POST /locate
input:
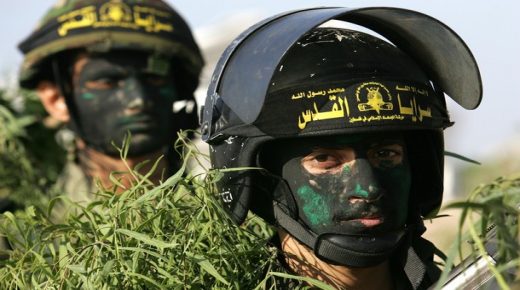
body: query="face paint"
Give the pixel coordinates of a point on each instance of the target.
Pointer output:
(315, 205)
(356, 186)
(115, 93)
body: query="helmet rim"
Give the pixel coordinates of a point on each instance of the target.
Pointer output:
(102, 26)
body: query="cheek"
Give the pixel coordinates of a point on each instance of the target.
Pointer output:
(88, 101)
(167, 93)
(398, 182)
(88, 96)
(315, 206)
(312, 202)
(99, 105)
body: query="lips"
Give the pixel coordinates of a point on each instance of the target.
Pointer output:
(136, 118)
(370, 221)
(363, 213)
(367, 221)
(135, 123)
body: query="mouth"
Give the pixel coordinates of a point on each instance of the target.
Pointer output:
(367, 221)
(141, 117)
(137, 122)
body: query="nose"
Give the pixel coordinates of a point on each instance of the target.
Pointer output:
(135, 95)
(362, 180)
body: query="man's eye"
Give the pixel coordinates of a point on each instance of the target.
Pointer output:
(386, 156)
(385, 153)
(101, 84)
(322, 157)
(323, 161)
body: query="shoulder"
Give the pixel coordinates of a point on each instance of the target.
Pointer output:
(74, 183)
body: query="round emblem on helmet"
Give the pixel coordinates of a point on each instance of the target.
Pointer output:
(373, 96)
(115, 12)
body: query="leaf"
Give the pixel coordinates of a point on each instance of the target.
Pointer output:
(312, 281)
(146, 239)
(62, 256)
(460, 157)
(208, 267)
(79, 269)
(107, 268)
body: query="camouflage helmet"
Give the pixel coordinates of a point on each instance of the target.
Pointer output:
(100, 26)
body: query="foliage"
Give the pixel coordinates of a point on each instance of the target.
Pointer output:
(503, 162)
(494, 206)
(171, 236)
(30, 159)
(17, 177)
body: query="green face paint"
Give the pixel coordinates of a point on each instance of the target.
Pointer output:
(359, 191)
(315, 205)
(367, 194)
(168, 92)
(88, 96)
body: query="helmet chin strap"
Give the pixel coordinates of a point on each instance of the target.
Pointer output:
(65, 89)
(346, 250)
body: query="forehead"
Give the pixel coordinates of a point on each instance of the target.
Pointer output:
(124, 59)
(343, 141)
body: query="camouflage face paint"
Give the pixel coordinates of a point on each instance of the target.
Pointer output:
(88, 96)
(167, 91)
(354, 186)
(115, 93)
(315, 205)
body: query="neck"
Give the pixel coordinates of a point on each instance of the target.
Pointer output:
(302, 261)
(100, 166)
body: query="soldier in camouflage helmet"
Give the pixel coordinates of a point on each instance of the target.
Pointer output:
(339, 138)
(109, 68)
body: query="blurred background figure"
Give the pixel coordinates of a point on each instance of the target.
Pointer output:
(111, 70)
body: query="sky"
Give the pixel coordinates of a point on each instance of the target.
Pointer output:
(488, 28)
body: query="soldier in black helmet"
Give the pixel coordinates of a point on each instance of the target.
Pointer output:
(108, 69)
(348, 128)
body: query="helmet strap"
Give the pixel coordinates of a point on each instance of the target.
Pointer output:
(65, 89)
(64, 86)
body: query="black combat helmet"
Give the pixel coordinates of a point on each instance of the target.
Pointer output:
(150, 26)
(285, 78)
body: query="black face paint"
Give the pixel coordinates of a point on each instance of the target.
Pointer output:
(116, 94)
(352, 185)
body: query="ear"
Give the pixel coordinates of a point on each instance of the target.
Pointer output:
(53, 101)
